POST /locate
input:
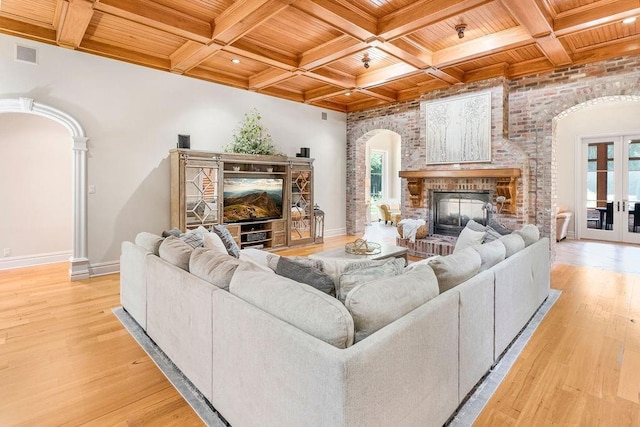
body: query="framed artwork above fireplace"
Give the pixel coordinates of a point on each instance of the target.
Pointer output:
(459, 129)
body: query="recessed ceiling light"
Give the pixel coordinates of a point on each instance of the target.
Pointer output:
(347, 94)
(235, 60)
(629, 20)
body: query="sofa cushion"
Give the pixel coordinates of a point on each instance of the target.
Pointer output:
(303, 272)
(490, 235)
(353, 277)
(377, 303)
(451, 270)
(298, 304)
(149, 242)
(513, 243)
(213, 266)
(227, 239)
(468, 237)
(529, 233)
(272, 261)
(334, 267)
(176, 251)
(490, 253)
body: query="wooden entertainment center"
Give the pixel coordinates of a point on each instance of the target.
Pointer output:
(198, 192)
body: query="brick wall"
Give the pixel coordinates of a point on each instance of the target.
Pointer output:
(524, 116)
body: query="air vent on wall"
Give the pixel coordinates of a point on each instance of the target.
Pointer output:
(26, 54)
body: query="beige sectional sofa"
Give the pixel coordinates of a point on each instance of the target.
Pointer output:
(258, 369)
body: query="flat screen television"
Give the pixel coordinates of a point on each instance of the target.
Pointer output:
(252, 199)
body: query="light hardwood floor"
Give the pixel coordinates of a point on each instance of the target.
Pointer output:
(66, 360)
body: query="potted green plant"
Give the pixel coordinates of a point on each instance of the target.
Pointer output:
(252, 137)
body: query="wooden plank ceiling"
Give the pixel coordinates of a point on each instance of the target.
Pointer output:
(312, 51)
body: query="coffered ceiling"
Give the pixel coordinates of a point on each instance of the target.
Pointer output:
(312, 51)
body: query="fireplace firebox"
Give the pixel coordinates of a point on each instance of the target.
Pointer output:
(451, 210)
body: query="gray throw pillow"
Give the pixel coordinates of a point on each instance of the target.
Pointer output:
(491, 235)
(351, 279)
(451, 270)
(375, 304)
(513, 243)
(305, 274)
(193, 238)
(176, 232)
(175, 251)
(213, 266)
(498, 227)
(468, 237)
(227, 239)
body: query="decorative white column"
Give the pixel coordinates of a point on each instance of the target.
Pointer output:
(79, 268)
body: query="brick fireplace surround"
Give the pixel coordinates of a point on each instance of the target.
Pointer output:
(524, 114)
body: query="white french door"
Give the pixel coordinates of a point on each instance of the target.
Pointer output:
(609, 205)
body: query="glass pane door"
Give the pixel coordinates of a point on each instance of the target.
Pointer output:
(599, 220)
(631, 196)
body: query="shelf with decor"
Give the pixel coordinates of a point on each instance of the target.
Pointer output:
(259, 234)
(301, 222)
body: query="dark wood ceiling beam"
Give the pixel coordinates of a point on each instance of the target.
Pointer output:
(74, 20)
(28, 30)
(192, 54)
(492, 43)
(157, 16)
(399, 53)
(243, 16)
(450, 76)
(384, 75)
(323, 92)
(422, 13)
(386, 95)
(540, 26)
(270, 77)
(332, 77)
(357, 25)
(330, 52)
(260, 54)
(594, 15)
(114, 52)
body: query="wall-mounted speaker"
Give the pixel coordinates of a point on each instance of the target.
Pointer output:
(184, 141)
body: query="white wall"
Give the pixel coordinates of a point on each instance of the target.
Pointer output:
(132, 116)
(35, 190)
(600, 119)
(390, 143)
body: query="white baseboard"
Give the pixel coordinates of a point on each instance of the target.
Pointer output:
(32, 260)
(335, 232)
(104, 268)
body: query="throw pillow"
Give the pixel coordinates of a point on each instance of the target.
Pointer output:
(214, 242)
(529, 233)
(467, 238)
(149, 241)
(490, 253)
(304, 273)
(375, 304)
(491, 235)
(176, 251)
(513, 243)
(298, 304)
(176, 232)
(451, 270)
(334, 267)
(193, 238)
(227, 239)
(351, 279)
(272, 261)
(498, 227)
(213, 266)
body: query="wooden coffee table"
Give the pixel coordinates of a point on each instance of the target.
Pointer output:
(386, 251)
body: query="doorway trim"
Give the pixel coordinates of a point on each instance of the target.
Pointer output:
(79, 262)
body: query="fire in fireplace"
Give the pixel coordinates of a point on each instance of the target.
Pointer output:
(452, 210)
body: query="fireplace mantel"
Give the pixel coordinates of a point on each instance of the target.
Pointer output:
(506, 182)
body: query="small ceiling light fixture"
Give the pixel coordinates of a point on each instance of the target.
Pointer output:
(630, 20)
(235, 60)
(460, 29)
(347, 94)
(365, 60)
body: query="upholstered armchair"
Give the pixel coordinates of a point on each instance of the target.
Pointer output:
(563, 216)
(389, 215)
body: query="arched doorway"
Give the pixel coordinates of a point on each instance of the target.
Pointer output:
(79, 263)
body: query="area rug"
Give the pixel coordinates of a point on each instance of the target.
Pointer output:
(465, 416)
